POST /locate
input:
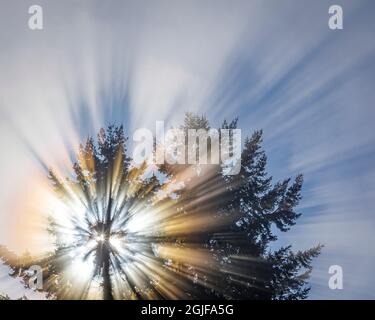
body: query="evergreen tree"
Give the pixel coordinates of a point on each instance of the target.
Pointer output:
(246, 211)
(256, 205)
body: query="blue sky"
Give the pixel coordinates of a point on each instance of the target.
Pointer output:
(274, 64)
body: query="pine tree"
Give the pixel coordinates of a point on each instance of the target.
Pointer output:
(244, 214)
(109, 189)
(256, 205)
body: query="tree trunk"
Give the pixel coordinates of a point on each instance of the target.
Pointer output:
(107, 284)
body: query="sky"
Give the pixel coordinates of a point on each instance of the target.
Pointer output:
(274, 64)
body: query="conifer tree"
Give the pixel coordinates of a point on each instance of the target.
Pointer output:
(242, 215)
